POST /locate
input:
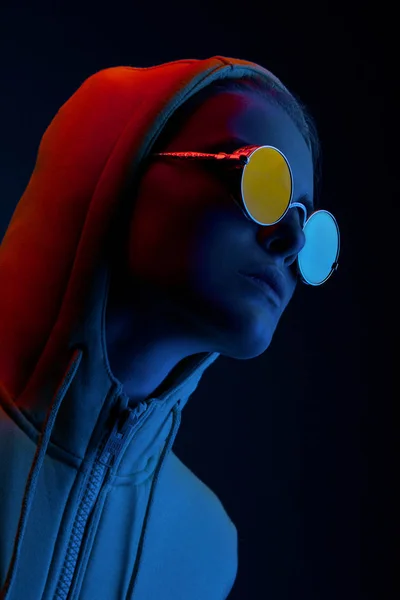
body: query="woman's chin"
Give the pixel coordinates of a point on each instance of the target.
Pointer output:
(249, 343)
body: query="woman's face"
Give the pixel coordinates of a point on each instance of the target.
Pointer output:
(189, 242)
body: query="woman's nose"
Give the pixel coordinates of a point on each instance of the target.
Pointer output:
(286, 238)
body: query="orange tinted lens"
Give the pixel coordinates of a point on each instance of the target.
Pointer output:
(267, 185)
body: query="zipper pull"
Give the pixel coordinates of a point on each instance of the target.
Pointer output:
(115, 442)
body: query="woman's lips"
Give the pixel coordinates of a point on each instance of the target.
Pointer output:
(265, 287)
(271, 275)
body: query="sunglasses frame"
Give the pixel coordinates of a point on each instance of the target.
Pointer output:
(238, 160)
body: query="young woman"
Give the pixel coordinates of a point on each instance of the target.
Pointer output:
(168, 220)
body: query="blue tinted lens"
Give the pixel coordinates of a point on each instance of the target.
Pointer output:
(318, 258)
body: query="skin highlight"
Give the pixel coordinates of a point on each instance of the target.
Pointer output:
(179, 291)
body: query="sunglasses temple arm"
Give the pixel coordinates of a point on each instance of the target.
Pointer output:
(242, 159)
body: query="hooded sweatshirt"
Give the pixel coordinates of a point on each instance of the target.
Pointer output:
(94, 504)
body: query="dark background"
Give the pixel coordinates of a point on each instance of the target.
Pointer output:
(300, 444)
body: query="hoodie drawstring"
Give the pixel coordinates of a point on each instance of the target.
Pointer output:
(36, 466)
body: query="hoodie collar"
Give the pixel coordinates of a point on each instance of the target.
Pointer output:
(95, 397)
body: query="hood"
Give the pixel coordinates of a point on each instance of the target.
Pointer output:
(55, 258)
(56, 383)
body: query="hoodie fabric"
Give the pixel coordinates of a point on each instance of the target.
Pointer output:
(94, 504)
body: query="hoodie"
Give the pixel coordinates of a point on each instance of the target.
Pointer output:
(94, 504)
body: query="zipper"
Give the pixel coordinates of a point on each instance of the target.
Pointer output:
(109, 450)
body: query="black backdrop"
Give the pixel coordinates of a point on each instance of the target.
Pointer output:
(300, 443)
